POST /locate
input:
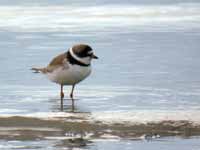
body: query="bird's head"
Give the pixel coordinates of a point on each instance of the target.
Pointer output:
(82, 53)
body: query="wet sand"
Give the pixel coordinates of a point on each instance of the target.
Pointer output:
(33, 128)
(68, 133)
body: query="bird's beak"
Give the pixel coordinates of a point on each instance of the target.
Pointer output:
(94, 56)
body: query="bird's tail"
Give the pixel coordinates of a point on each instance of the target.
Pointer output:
(38, 70)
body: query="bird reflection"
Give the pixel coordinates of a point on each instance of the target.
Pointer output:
(66, 105)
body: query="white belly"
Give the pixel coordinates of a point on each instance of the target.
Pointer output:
(69, 76)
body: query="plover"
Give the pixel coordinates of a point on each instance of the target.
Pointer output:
(69, 68)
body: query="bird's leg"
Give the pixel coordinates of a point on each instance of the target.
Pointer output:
(72, 91)
(72, 96)
(61, 97)
(61, 92)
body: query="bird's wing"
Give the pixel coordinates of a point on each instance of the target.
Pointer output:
(58, 61)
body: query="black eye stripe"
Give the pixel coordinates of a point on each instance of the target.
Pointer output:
(89, 55)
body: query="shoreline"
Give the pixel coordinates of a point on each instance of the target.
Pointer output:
(33, 128)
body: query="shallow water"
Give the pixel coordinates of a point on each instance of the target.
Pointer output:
(148, 71)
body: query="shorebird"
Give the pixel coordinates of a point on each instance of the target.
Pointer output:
(69, 68)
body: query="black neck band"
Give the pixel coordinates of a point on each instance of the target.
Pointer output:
(74, 61)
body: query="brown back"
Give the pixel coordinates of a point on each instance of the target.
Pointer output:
(58, 60)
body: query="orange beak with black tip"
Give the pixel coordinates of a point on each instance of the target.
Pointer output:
(94, 56)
